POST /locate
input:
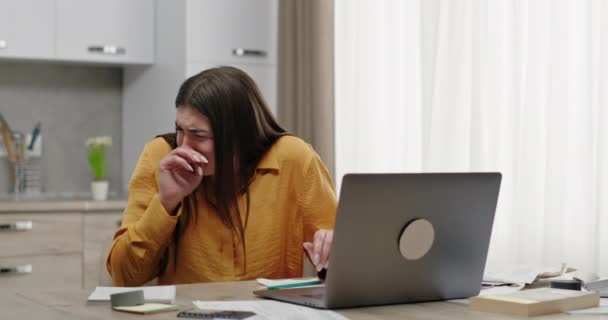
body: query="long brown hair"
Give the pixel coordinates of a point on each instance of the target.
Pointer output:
(244, 129)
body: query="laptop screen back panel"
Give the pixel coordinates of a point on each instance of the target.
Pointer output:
(366, 266)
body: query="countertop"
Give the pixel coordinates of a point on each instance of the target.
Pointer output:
(62, 204)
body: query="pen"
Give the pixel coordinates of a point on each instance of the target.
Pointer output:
(295, 285)
(34, 136)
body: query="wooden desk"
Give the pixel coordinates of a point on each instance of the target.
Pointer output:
(67, 305)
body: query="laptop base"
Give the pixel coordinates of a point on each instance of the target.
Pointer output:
(310, 297)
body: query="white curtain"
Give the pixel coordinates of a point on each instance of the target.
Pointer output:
(516, 86)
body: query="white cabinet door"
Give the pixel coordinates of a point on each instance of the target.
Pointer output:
(106, 31)
(232, 31)
(264, 76)
(27, 28)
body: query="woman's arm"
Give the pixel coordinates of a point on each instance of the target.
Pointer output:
(146, 229)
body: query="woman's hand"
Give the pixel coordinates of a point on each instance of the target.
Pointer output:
(318, 250)
(180, 172)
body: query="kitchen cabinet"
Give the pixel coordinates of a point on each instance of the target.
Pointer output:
(26, 28)
(232, 31)
(239, 33)
(87, 31)
(48, 272)
(115, 31)
(41, 250)
(55, 245)
(191, 36)
(40, 233)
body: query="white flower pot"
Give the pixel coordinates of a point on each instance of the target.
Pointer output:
(99, 189)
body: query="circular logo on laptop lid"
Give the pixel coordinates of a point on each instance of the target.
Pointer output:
(416, 239)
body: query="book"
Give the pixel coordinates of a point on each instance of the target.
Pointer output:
(535, 301)
(288, 283)
(147, 308)
(153, 294)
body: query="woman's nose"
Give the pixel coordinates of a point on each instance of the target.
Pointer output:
(187, 142)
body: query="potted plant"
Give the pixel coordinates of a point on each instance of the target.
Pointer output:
(96, 151)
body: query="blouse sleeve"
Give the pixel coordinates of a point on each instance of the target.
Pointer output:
(146, 229)
(317, 202)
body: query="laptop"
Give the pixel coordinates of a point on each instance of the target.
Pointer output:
(403, 238)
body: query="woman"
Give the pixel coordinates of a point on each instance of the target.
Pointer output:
(230, 196)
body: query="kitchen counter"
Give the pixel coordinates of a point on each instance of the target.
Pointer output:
(61, 205)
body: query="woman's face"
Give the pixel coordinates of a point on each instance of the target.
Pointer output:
(194, 132)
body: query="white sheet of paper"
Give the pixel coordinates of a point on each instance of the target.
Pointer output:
(270, 310)
(515, 274)
(280, 282)
(500, 290)
(159, 294)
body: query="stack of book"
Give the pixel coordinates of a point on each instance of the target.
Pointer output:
(535, 301)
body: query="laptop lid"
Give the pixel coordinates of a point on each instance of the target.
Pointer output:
(408, 238)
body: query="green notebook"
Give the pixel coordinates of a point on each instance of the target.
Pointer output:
(147, 308)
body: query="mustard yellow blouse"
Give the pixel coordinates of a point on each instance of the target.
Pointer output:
(292, 196)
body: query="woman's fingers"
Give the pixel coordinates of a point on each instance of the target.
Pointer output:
(318, 250)
(324, 261)
(319, 239)
(176, 162)
(309, 249)
(181, 171)
(192, 160)
(190, 155)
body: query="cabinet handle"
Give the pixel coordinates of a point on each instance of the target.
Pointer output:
(3, 44)
(17, 226)
(242, 52)
(112, 50)
(24, 269)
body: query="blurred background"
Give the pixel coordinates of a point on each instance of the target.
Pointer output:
(513, 86)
